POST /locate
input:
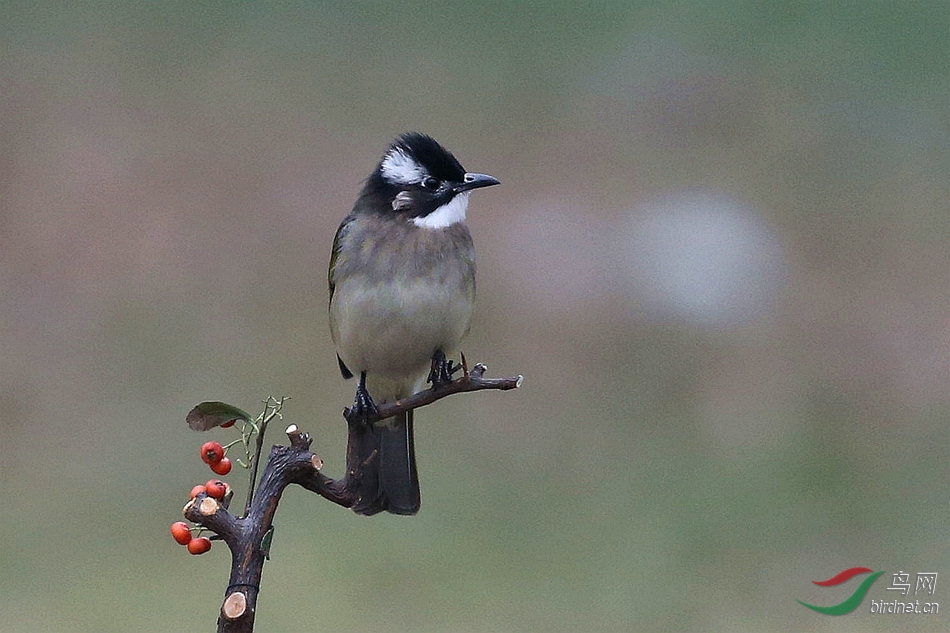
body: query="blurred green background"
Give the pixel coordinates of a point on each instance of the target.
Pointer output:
(719, 256)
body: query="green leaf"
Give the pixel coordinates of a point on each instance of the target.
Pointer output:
(208, 415)
(266, 541)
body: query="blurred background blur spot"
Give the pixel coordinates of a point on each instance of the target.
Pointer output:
(720, 255)
(700, 258)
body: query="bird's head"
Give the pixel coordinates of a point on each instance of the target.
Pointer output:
(421, 180)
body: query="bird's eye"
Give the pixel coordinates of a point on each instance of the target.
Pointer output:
(430, 183)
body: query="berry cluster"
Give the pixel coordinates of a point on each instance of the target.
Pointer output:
(181, 532)
(213, 454)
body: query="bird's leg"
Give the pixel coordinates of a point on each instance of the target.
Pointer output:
(441, 372)
(363, 405)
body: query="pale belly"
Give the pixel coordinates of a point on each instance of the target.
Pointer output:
(391, 332)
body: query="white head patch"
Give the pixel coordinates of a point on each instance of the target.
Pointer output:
(445, 216)
(399, 168)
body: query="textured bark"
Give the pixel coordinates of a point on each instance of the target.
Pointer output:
(249, 537)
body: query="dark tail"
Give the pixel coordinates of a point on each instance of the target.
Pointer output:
(390, 481)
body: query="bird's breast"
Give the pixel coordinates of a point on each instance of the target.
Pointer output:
(398, 299)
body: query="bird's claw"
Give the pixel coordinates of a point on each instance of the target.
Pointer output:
(442, 370)
(363, 406)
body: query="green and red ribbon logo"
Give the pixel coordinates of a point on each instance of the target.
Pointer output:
(851, 603)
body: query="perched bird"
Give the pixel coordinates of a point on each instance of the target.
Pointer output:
(402, 290)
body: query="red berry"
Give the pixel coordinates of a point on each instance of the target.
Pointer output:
(199, 545)
(212, 452)
(228, 424)
(181, 532)
(222, 467)
(197, 490)
(216, 488)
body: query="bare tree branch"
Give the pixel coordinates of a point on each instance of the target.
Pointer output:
(469, 381)
(249, 538)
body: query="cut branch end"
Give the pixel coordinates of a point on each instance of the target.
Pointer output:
(234, 606)
(208, 506)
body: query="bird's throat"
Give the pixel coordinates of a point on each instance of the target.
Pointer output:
(445, 216)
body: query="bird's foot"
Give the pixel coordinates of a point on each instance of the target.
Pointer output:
(363, 406)
(441, 372)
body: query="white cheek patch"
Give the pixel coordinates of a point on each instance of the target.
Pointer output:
(448, 214)
(400, 169)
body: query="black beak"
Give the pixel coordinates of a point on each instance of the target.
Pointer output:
(476, 181)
